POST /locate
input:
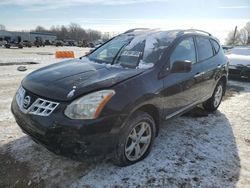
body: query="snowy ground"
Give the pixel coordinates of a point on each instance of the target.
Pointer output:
(42, 55)
(190, 151)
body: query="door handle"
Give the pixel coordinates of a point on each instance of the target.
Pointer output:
(219, 66)
(198, 74)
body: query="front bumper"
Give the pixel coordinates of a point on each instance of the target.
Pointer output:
(239, 71)
(67, 137)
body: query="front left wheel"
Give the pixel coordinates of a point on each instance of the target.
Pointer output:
(136, 141)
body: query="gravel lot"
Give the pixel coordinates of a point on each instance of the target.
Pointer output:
(195, 150)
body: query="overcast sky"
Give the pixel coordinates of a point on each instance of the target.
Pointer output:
(215, 16)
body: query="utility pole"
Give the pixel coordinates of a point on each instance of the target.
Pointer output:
(235, 31)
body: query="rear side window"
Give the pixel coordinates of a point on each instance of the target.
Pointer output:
(204, 47)
(185, 50)
(215, 45)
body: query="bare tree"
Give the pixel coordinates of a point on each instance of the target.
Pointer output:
(75, 32)
(72, 32)
(106, 36)
(63, 33)
(242, 36)
(247, 28)
(230, 38)
(93, 35)
(40, 29)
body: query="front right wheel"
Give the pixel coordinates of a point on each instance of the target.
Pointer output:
(137, 139)
(213, 103)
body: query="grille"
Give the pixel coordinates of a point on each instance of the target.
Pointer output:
(40, 107)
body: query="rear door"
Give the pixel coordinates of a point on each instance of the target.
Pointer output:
(181, 90)
(208, 65)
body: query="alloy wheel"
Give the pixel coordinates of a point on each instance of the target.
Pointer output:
(218, 95)
(138, 141)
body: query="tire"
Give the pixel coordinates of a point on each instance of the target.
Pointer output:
(132, 140)
(213, 103)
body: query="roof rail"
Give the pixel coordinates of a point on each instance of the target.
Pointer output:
(135, 29)
(197, 31)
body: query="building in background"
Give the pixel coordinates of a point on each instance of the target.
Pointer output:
(21, 36)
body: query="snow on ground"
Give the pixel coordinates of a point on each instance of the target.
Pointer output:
(43, 55)
(210, 151)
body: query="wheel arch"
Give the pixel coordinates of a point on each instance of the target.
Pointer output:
(154, 112)
(223, 79)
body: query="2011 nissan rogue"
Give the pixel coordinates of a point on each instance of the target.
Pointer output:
(114, 99)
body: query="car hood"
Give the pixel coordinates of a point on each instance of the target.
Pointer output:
(236, 60)
(70, 79)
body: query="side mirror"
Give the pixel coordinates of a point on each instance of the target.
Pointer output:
(181, 66)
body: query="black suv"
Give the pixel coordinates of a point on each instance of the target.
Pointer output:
(114, 99)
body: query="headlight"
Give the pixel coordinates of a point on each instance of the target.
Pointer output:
(89, 106)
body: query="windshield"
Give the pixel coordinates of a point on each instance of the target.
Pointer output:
(141, 51)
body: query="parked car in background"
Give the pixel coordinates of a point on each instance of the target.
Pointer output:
(98, 43)
(91, 45)
(27, 43)
(47, 43)
(239, 62)
(95, 44)
(70, 43)
(3, 43)
(39, 42)
(14, 44)
(226, 49)
(115, 98)
(82, 43)
(59, 43)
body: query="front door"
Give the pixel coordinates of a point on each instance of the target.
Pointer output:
(181, 90)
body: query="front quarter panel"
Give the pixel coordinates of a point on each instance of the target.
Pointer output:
(134, 93)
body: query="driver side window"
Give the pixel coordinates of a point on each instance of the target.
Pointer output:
(184, 51)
